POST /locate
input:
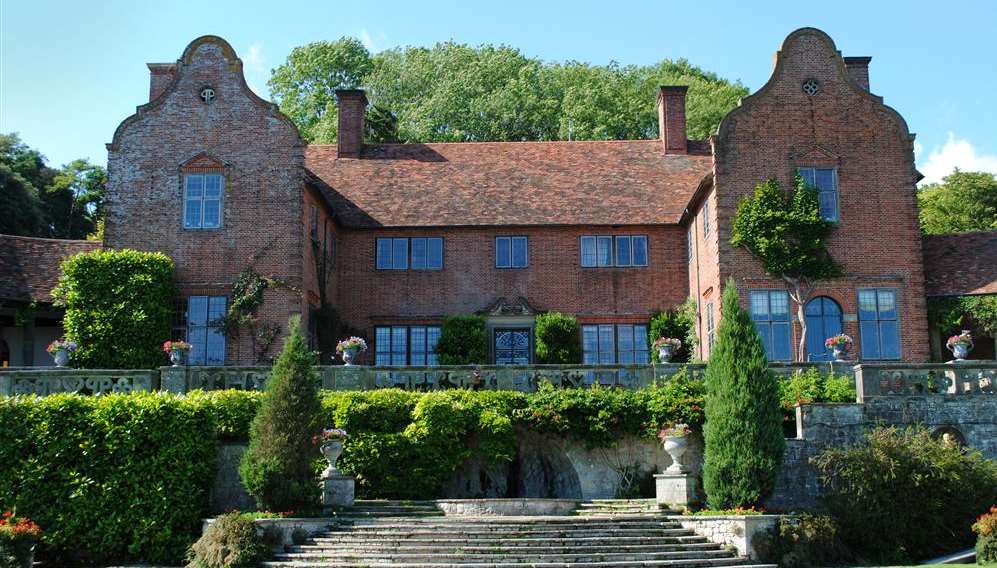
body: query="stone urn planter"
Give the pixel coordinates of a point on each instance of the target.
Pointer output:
(177, 357)
(960, 345)
(839, 345)
(666, 347)
(840, 353)
(676, 447)
(349, 355)
(665, 353)
(349, 348)
(61, 358)
(331, 450)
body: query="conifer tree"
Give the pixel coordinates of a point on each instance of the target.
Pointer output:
(743, 431)
(277, 468)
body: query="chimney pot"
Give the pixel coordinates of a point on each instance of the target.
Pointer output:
(671, 119)
(858, 70)
(160, 77)
(352, 108)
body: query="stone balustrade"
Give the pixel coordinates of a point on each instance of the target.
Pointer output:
(526, 378)
(921, 379)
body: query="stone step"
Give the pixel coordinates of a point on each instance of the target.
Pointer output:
(595, 548)
(461, 556)
(497, 525)
(730, 562)
(510, 541)
(352, 514)
(512, 531)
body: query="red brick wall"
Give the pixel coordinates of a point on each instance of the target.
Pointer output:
(469, 281)
(704, 270)
(263, 167)
(780, 128)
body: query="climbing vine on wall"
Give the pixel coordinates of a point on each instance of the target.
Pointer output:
(247, 297)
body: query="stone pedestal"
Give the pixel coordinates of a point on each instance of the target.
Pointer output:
(675, 489)
(173, 379)
(337, 490)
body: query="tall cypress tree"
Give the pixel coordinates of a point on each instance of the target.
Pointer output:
(743, 431)
(277, 468)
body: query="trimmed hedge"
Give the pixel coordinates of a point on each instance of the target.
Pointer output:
(118, 307)
(463, 341)
(110, 478)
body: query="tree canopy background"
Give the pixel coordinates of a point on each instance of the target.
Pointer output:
(453, 92)
(39, 201)
(963, 201)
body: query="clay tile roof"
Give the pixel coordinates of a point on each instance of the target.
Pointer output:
(961, 264)
(29, 267)
(509, 183)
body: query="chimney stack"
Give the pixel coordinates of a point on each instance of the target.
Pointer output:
(352, 108)
(160, 77)
(671, 119)
(858, 70)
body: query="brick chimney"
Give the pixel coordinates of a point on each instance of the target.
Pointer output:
(160, 77)
(858, 70)
(671, 119)
(352, 108)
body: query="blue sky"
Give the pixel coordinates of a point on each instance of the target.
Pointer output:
(70, 71)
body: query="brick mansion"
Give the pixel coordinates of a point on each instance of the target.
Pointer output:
(395, 237)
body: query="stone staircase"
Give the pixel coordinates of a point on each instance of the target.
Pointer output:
(411, 534)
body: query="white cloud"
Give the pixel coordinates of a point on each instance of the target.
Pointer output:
(956, 153)
(254, 64)
(366, 40)
(254, 57)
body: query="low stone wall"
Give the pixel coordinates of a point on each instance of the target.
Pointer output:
(506, 507)
(285, 531)
(739, 531)
(47, 380)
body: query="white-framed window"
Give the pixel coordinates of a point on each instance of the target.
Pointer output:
(406, 345)
(202, 201)
(511, 252)
(706, 218)
(607, 344)
(710, 331)
(619, 250)
(825, 181)
(770, 312)
(404, 253)
(204, 329)
(879, 323)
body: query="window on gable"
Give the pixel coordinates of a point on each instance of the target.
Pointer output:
(406, 345)
(204, 330)
(825, 181)
(202, 201)
(770, 312)
(511, 252)
(706, 218)
(879, 325)
(619, 250)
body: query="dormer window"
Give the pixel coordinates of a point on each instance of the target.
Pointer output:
(202, 201)
(825, 181)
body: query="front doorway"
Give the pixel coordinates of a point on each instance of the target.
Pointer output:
(512, 346)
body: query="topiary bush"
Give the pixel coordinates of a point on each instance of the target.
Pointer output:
(118, 307)
(924, 493)
(463, 341)
(110, 479)
(743, 432)
(558, 339)
(276, 470)
(230, 542)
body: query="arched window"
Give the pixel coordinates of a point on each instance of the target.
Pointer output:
(823, 320)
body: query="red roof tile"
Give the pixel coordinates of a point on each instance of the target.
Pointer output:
(29, 267)
(509, 183)
(960, 264)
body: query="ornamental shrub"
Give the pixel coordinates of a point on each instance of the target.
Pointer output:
(463, 341)
(808, 387)
(923, 493)
(119, 305)
(229, 542)
(743, 432)
(275, 470)
(558, 339)
(679, 323)
(804, 542)
(111, 479)
(986, 537)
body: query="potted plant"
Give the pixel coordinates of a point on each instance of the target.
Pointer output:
(667, 346)
(960, 345)
(178, 351)
(348, 348)
(18, 537)
(330, 443)
(839, 345)
(60, 349)
(674, 438)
